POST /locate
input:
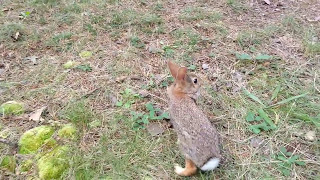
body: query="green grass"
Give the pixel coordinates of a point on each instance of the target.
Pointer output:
(197, 13)
(9, 30)
(94, 95)
(237, 5)
(79, 113)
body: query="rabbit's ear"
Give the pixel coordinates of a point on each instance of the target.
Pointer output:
(179, 73)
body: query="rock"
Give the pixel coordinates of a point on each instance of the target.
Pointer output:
(205, 66)
(113, 99)
(153, 49)
(255, 142)
(310, 136)
(155, 129)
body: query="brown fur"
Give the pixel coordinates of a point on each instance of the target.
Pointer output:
(197, 137)
(190, 168)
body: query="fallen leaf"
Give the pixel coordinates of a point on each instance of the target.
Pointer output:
(267, 2)
(16, 36)
(144, 93)
(135, 78)
(6, 9)
(263, 57)
(155, 128)
(255, 142)
(243, 56)
(36, 115)
(315, 19)
(310, 135)
(205, 66)
(33, 59)
(121, 79)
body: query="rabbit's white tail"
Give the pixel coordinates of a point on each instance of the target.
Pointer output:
(211, 164)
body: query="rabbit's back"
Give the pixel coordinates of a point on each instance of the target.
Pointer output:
(198, 138)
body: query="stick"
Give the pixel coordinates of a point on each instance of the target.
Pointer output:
(4, 141)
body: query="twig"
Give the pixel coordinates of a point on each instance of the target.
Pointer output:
(4, 141)
(314, 82)
(157, 97)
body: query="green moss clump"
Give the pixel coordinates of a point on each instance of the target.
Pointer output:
(69, 64)
(68, 131)
(54, 163)
(9, 162)
(34, 138)
(26, 165)
(11, 108)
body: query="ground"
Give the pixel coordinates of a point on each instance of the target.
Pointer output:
(259, 62)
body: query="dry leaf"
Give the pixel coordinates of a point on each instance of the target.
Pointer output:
(121, 79)
(17, 35)
(267, 1)
(144, 93)
(205, 66)
(36, 115)
(316, 19)
(310, 136)
(33, 59)
(2, 68)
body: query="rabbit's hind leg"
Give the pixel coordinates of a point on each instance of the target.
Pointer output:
(189, 170)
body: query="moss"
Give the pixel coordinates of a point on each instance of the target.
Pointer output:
(53, 164)
(69, 64)
(26, 165)
(12, 108)
(85, 54)
(68, 131)
(34, 138)
(8, 162)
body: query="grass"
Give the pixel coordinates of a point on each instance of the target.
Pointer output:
(94, 95)
(8, 32)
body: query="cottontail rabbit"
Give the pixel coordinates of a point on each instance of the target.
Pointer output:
(197, 137)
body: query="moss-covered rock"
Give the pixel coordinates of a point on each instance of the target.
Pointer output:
(34, 138)
(68, 131)
(26, 165)
(9, 163)
(53, 164)
(11, 108)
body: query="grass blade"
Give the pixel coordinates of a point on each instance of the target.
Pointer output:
(266, 118)
(253, 97)
(275, 93)
(289, 99)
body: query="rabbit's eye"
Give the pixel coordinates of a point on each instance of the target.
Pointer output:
(195, 81)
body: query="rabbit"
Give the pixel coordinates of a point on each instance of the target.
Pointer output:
(197, 138)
